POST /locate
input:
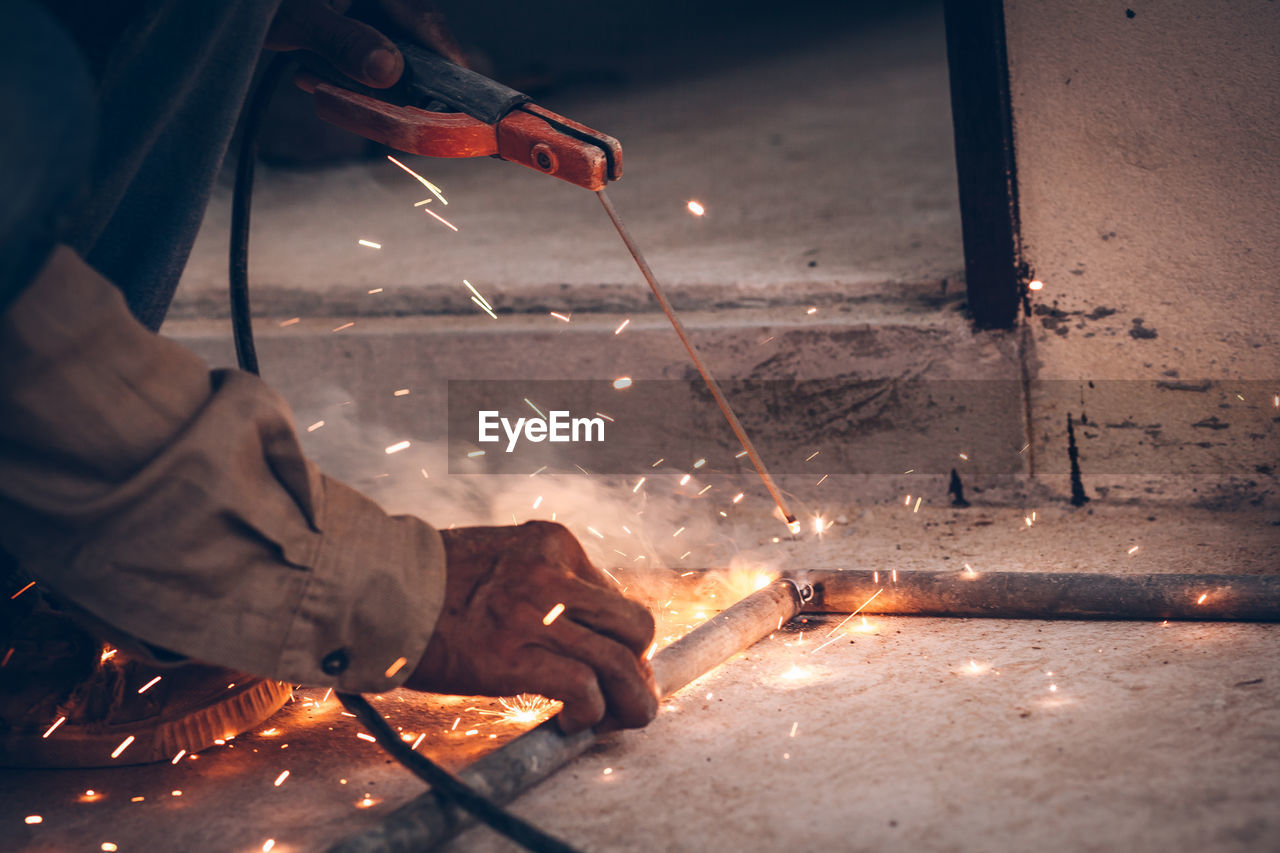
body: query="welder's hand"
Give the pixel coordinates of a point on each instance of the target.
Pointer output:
(355, 48)
(503, 584)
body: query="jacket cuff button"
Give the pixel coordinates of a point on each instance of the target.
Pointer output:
(335, 663)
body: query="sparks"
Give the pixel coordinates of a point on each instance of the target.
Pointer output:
(812, 310)
(178, 757)
(124, 744)
(854, 613)
(370, 244)
(537, 502)
(53, 727)
(535, 408)
(268, 845)
(403, 392)
(446, 223)
(1036, 285)
(793, 527)
(622, 382)
(432, 188)
(739, 496)
(1133, 550)
(397, 447)
(624, 324)
(811, 455)
(474, 453)
(33, 819)
(918, 502)
(343, 326)
(639, 483)
(1202, 597)
(21, 591)
(375, 290)
(109, 847)
(553, 614)
(367, 737)
(695, 208)
(291, 321)
(152, 683)
(284, 774)
(559, 316)
(396, 667)
(684, 481)
(524, 709)
(795, 673)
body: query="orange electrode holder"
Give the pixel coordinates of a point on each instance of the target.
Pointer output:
(442, 110)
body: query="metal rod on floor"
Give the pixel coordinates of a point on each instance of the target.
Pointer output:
(505, 773)
(1018, 595)
(1048, 595)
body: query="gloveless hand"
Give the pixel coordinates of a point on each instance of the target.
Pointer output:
(502, 585)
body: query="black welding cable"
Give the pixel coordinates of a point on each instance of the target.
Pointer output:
(241, 203)
(441, 780)
(451, 787)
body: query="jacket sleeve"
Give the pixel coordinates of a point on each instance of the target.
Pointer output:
(176, 506)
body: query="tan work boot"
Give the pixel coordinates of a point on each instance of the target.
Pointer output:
(66, 700)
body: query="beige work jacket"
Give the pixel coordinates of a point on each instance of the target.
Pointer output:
(175, 504)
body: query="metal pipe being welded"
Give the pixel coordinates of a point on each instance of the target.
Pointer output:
(505, 773)
(1047, 595)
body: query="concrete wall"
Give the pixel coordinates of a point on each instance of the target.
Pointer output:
(1148, 154)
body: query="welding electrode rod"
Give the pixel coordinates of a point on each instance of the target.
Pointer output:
(1047, 595)
(505, 773)
(710, 380)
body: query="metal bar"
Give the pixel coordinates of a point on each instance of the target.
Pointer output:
(714, 387)
(504, 774)
(995, 273)
(1048, 595)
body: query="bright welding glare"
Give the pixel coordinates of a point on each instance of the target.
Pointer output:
(695, 208)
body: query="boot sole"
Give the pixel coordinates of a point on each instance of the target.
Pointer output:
(154, 739)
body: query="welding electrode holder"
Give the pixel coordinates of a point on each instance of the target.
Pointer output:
(439, 109)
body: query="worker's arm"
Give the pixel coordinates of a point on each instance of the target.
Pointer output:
(176, 506)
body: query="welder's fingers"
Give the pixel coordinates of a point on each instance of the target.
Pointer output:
(609, 612)
(570, 681)
(354, 48)
(631, 695)
(424, 22)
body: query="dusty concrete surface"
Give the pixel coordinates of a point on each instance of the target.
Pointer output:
(909, 733)
(1148, 182)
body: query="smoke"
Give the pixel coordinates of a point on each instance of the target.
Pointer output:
(626, 527)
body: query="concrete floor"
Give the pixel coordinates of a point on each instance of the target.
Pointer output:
(1157, 737)
(910, 734)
